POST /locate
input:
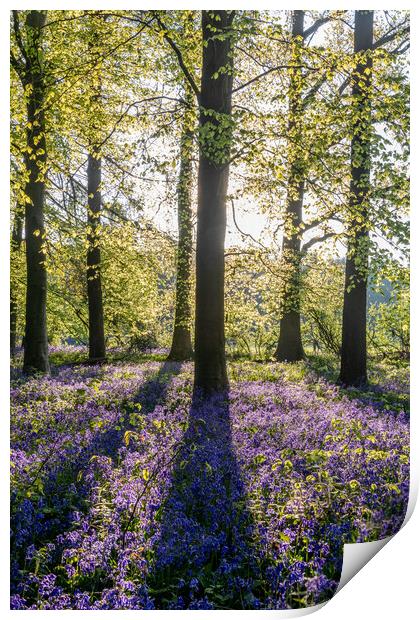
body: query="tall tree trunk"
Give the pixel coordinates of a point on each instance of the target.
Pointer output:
(36, 342)
(181, 348)
(213, 174)
(97, 349)
(289, 346)
(353, 348)
(93, 261)
(15, 248)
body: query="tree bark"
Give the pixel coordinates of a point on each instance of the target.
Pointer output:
(289, 346)
(36, 342)
(97, 350)
(213, 174)
(93, 261)
(181, 348)
(15, 248)
(353, 349)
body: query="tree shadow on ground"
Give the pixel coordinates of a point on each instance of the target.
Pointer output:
(41, 528)
(153, 392)
(382, 397)
(107, 443)
(204, 552)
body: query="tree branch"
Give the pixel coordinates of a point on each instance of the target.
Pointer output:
(241, 231)
(17, 66)
(313, 91)
(277, 68)
(178, 54)
(390, 37)
(315, 26)
(319, 239)
(133, 105)
(18, 35)
(379, 43)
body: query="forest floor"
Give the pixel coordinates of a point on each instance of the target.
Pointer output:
(127, 493)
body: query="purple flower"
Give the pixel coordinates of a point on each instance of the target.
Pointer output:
(131, 496)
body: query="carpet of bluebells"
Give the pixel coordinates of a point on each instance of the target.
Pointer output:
(127, 493)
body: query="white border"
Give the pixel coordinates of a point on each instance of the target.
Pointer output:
(388, 586)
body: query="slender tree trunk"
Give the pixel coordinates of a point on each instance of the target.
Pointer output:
(353, 348)
(15, 248)
(36, 342)
(289, 346)
(181, 348)
(213, 174)
(93, 262)
(97, 349)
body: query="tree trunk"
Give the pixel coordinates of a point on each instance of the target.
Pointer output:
(97, 350)
(289, 346)
(36, 342)
(15, 248)
(353, 348)
(181, 348)
(93, 262)
(215, 139)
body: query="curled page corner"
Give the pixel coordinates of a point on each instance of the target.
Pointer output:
(357, 555)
